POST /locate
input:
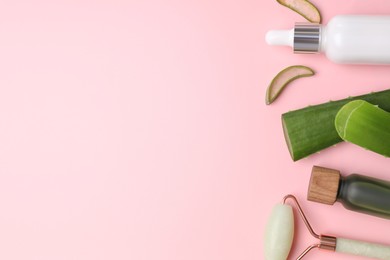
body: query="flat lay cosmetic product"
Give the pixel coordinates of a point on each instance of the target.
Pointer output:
(279, 237)
(349, 39)
(356, 192)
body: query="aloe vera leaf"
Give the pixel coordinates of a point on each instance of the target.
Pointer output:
(304, 8)
(366, 125)
(283, 78)
(311, 129)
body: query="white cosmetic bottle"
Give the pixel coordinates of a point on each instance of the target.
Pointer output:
(347, 39)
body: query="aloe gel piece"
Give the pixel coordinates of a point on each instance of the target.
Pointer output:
(283, 78)
(366, 125)
(304, 8)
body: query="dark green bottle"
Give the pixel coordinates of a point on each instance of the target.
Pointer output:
(356, 192)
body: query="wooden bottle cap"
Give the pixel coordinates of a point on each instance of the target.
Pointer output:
(323, 186)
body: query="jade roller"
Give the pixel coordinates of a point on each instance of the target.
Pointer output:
(279, 237)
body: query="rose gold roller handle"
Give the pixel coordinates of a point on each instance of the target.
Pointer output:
(341, 245)
(325, 242)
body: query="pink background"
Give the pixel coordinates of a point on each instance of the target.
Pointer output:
(138, 130)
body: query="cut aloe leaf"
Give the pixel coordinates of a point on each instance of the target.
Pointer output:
(283, 78)
(366, 125)
(304, 8)
(311, 129)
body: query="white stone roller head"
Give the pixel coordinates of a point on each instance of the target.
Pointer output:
(279, 233)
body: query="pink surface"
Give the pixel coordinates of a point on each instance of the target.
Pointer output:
(138, 130)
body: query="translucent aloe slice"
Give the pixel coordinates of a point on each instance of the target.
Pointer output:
(283, 78)
(304, 8)
(366, 125)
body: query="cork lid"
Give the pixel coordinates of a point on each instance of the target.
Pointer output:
(323, 186)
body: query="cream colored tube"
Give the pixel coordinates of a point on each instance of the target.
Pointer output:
(354, 247)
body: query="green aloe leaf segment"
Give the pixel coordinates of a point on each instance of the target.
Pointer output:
(311, 129)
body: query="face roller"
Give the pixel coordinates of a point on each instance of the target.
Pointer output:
(280, 234)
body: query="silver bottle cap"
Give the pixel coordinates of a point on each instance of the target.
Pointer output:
(307, 37)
